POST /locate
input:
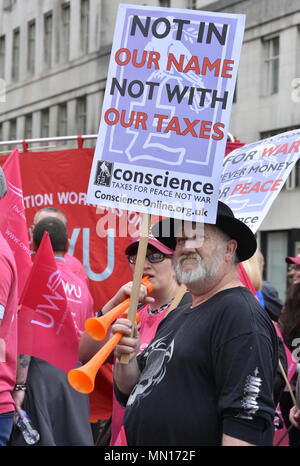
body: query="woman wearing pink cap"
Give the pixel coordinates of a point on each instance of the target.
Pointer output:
(294, 269)
(158, 267)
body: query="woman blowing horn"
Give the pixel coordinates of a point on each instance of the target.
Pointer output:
(158, 267)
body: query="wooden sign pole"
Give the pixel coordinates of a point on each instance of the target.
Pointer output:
(288, 384)
(137, 276)
(178, 297)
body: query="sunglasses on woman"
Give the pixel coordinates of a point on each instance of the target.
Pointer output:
(294, 267)
(153, 257)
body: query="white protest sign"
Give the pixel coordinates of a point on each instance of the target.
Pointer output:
(254, 174)
(166, 111)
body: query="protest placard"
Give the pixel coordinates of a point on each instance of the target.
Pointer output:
(254, 174)
(166, 111)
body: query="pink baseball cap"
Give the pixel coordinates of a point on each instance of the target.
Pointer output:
(132, 247)
(293, 260)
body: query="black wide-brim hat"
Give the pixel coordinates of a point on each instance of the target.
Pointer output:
(165, 232)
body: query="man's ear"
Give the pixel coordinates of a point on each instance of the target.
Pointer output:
(231, 247)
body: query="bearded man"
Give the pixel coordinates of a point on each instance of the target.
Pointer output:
(207, 376)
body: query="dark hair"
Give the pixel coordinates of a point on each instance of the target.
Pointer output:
(57, 231)
(289, 322)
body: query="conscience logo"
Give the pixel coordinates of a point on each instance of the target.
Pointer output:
(104, 173)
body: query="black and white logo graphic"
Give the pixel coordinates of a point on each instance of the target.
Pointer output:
(104, 173)
(251, 394)
(158, 355)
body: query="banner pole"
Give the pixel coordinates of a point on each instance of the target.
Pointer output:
(288, 384)
(178, 297)
(137, 276)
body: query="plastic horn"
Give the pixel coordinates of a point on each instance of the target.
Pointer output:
(82, 379)
(96, 327)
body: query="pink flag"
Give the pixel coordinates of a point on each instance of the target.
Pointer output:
(292, 367)
(121, 440)
(13, 224)
(291, 361)
(244, 278)
(46, 327)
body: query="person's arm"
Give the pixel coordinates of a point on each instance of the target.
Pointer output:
(22, 372)
(126, 375)
(228, 441)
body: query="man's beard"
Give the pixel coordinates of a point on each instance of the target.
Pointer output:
(203, 271)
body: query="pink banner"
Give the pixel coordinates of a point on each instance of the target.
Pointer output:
(45, 325)
(292, 364)
(13, 224)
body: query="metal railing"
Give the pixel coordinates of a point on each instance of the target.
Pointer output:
(80, 139)
(25, 143)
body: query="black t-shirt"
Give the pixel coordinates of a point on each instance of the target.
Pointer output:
(208, 371)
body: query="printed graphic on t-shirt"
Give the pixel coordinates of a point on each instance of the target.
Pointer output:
(157, 356)
(251, 393)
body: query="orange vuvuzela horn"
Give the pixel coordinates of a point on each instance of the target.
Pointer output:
(82, 379)
(96, 327)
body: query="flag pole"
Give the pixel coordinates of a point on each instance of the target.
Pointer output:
(178, 297)
(288, 384)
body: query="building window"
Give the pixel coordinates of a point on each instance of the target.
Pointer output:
(13, 130)
(192, 4)
(297, 174)
(8, 4)
(81, 115)
(84, 25)
(2, 57)
(45, 123)
(234, 100)
(31, 47)
(271, 65)
(48, 35)
(66, 15)
(62, 121)
(16, 55)
(28, 126)
(273, 132)
(277, 246)
(164, 3)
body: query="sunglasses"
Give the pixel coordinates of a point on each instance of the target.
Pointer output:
(153, 257)
(294, 267)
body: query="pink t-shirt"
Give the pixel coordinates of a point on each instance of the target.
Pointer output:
(77, 267)
(147, 329)
(78, 295)
(8, 327)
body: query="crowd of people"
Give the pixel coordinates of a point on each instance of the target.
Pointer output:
(203, 361)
